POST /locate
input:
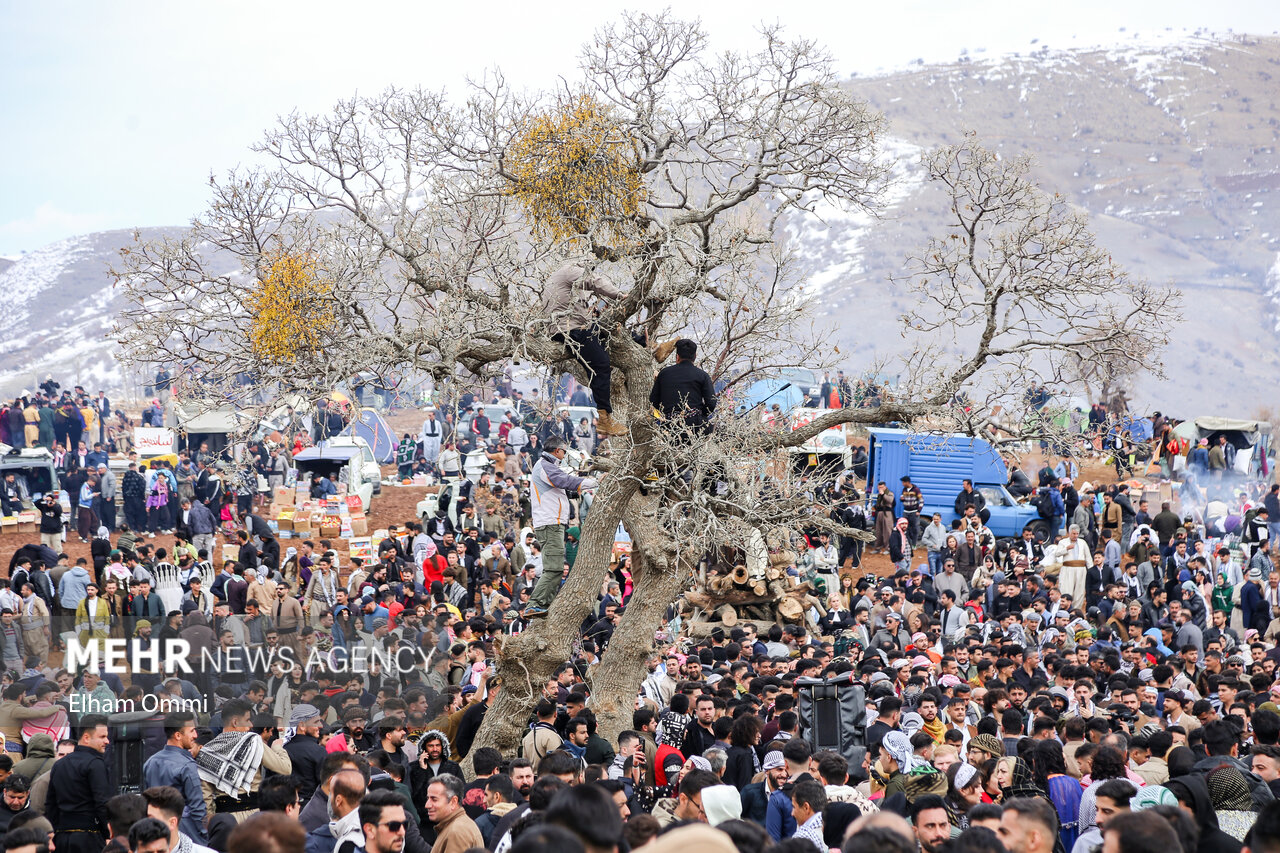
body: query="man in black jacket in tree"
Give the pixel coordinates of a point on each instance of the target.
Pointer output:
(684, 390)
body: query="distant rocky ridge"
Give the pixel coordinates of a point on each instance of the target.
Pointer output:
(1172, 150)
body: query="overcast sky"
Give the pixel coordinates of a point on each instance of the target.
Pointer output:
(116, 113)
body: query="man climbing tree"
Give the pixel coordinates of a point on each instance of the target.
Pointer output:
(684, 391)
(548, 492)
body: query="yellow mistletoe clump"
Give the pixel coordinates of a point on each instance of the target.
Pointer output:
(576, 173)
(290, 310)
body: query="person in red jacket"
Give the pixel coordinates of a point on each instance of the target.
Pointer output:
(433, 565)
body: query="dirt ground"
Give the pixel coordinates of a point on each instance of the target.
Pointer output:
(396, 505)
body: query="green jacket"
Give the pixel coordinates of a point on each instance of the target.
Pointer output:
(405, 452)
(1222, 598)
(571, 546)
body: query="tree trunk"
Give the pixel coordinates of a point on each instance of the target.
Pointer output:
(616, 680)
(529, 659)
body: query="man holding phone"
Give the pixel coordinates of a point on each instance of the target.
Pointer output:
(51, 522)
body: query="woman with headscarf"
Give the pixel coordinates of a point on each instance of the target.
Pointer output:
(1193, 795)
(1193, 600)
(989, 598)
(1149, 796)
(1064, 792)
(100, 549)
(1229, 793)
(964, 791)
(1015, 779)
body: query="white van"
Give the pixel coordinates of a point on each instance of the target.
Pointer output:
(350, 458)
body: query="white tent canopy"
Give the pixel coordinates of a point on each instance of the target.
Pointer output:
(1206, 426)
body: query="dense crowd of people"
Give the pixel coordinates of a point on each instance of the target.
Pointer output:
(1110, 688)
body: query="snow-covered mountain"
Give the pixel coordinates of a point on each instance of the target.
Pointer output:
(1170, 145)
(59, 307)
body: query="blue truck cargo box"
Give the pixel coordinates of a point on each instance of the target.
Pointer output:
(937, 465)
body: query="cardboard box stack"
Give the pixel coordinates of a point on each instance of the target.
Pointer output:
(340, 518)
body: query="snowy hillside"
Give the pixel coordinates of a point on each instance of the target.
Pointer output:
(60, 306)
(1169, 144)
(1170, 147)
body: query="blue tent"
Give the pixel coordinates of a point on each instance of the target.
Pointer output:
(1139, 428)
(766, 392)
(373, 429)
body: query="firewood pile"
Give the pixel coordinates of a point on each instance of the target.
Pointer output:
(748, 586)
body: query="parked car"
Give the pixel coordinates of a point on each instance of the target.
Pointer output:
(32, 467)
(350, 458)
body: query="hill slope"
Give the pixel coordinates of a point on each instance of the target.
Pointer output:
(1171, 150)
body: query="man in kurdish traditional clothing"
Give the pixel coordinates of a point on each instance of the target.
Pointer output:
(1076, 559)
(430, 437)
(34, 619)
(93, 617)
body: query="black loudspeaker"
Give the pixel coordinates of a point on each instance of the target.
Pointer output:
(125, 757)
(832, 715)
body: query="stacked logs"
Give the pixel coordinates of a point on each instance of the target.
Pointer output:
(735, 597)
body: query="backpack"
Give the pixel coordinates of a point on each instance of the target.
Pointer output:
(1044, 505)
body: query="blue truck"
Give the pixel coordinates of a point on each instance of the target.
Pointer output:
(937, 464)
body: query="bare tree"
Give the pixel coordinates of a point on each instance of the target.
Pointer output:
(405, 232)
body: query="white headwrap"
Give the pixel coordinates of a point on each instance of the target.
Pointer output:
(898, 745)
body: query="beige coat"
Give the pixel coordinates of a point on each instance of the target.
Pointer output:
(34, 619)
(538, 742)
(568, 295)
(457, 833)
(263, 592)
(317, 602)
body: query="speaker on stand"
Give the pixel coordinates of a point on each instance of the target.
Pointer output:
(832, 715)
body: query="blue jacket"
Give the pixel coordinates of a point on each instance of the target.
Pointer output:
(201, 521)
(778, 821)
(73, 587)
(321, 840)
(1254, 607)
(1055, 497)
(755, 802)
(176, 768)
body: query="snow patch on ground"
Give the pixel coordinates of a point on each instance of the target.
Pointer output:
(35, 272)
(831, 238)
